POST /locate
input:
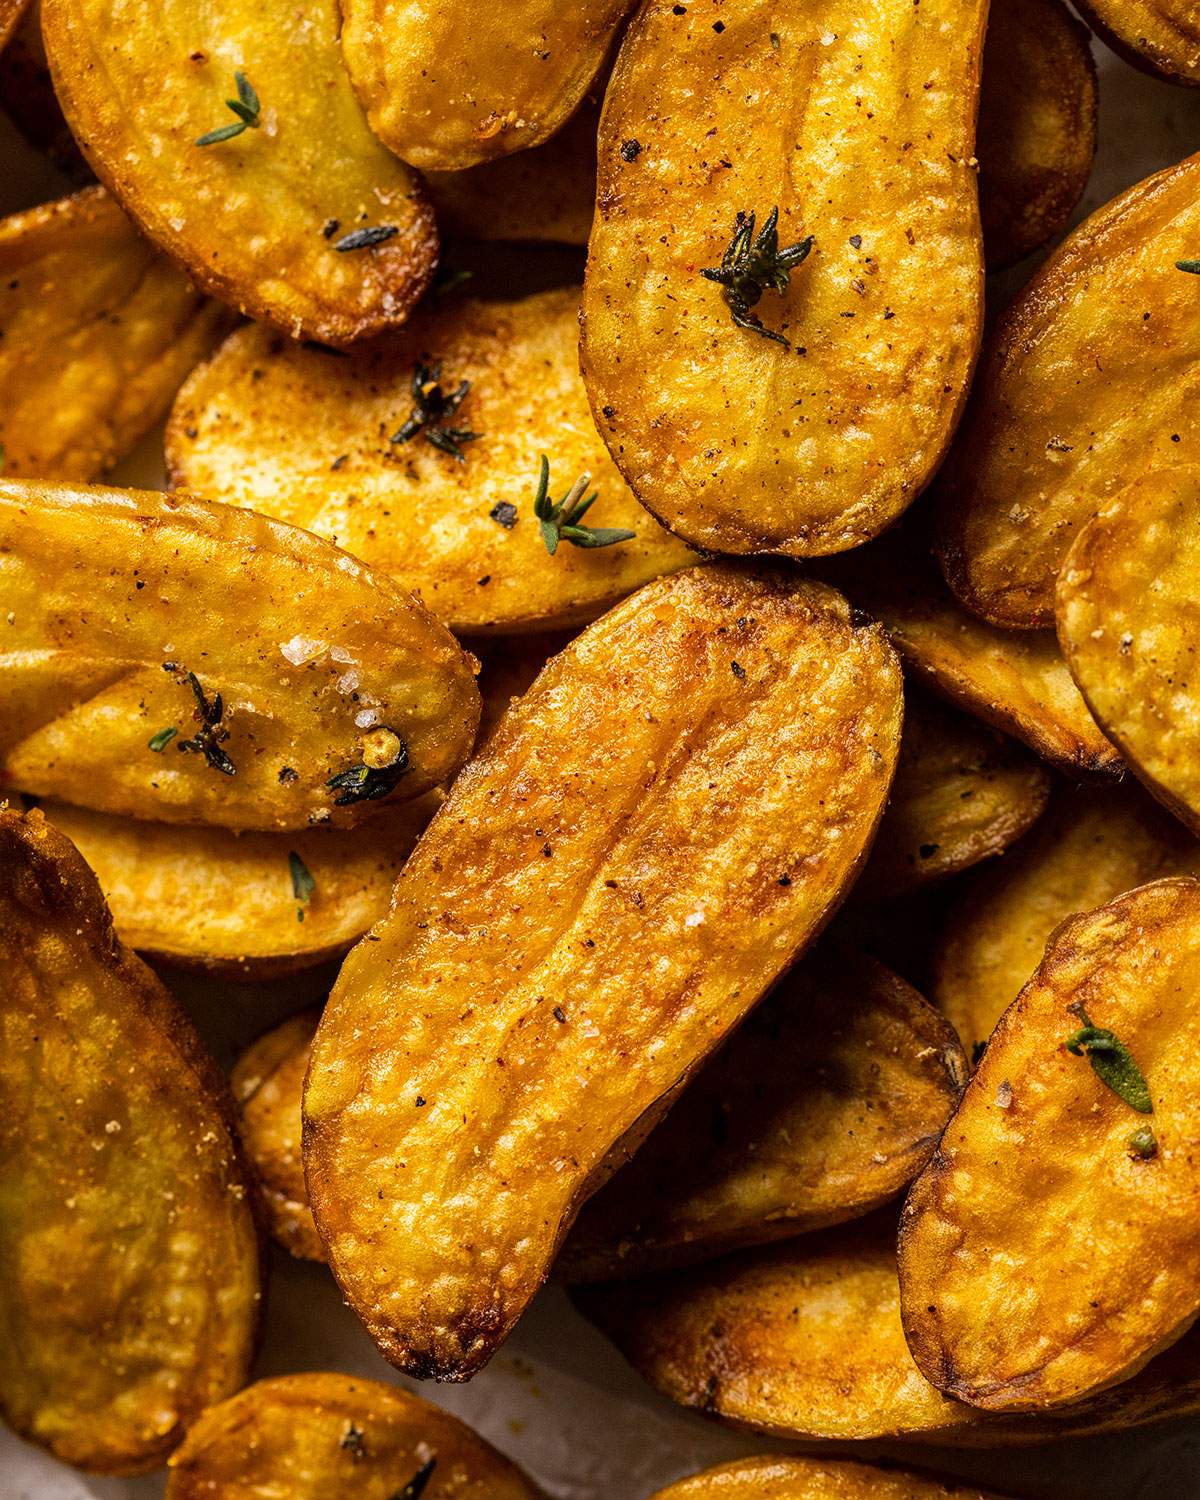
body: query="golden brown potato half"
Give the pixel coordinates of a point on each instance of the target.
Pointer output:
(315, 1436)
(306, 687)
(10, 15)
(803, 1340)
(1129, 623)
(574, 914)
(1050, 1247)
(1091, 845)
(129, 1257)
(824, 1104)
(303, 218)
(308, 438)
(1037, 125)
(1160, 36)
(1081, 389)
(962, 793)
(27, 97)
(99, 331)
(778, 1478)
(815, 442)
(450, 86)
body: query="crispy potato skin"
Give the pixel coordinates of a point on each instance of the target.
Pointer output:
(246, 218)
(225, 592)
(568, 917)
(129, 1255)
(737, 443)
(267, 421)
(1037, 125)
(1128, 623)
(824, 1104)
(812, 1479)
(1084, 384)
(288, 1436)
(1091, 845)
(1041, 1259)
(99, 331)
(1160, 36)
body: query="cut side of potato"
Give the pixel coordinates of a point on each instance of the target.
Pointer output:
(576, 917)
(301, 217)
(824, 1104)
(140, 625)
(314, 1436)
(99, 332)
(812, 432)
(1050, 1248)
(1085, 383)
(1161, 36)
(312, 439)
(778, 1478)
(129, 1257)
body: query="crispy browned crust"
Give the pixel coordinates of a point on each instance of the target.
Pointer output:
(1159, 36)
(778, 1478)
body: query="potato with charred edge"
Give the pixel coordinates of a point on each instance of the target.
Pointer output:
(249, 160)
(1129, 621)
(332, 691)
(317, 1435)
(800, 398)
(778, 1478)
(575, 918)
(129, 1257)
(421, 456)
(1050, 1248)
(1159, 36)
(1084, 384)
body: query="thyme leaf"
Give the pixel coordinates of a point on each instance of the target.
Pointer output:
(303, 885)
(432, 406)
(1112, 1062)
(1192, 267)
(208, 738)
(365, 783)
(364, 239)
(562, 520)
(247, 109)
(754, 264)
(416, 1486)
(159, 742)
(1143, 1144)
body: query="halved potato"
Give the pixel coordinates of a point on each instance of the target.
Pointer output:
(1092, 844)
(825, 1103)
(303, 218)
(583, 917)
(812, 432)
(1161, 36)
(449, 86)
(308, 438)
(1129, 624)
(129, 1258)
(10, 14)
(1085, 383)
(779, 1478)
(306, 687)
(315, 1436)
(1051, 1246)
(99, 331)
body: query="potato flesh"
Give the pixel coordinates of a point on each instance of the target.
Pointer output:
(318, 641)
(1042, 1257)
(295, 1435)
(1162, 36)
(737, 443)
(128, 1251)
(647, 895)
(305, 437)
(811, 1479)
(1084, 385)
(254, 220)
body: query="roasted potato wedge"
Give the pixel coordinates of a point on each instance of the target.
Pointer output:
(815, 442)
(1082, 387)
(129, 1257)
(1161, 36)
(99, 331)
(1129, 623)
(141, 624)
(1091, 845)
(27, 97)
(777, 1478)
(309, 439)
(824, 1104)
(572, 915)
(302, 218)
(315, 1436)
(1050, 1247)
(10, 14)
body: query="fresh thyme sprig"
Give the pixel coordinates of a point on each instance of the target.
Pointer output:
(303, 885)
(247, 109)
(432, 406)
(561, 520)
(209, 737)
(385, 760)
(754, 264)
(1111, 1061)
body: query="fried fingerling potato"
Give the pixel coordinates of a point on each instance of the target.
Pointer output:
(1160, 36)
(1050, 1248)
(582, 917)
(779, 1478)
(316, 1436)
(141, 624)
(129, 1257)
(281, 203)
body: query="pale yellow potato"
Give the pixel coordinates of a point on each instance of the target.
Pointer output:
(780, 1478)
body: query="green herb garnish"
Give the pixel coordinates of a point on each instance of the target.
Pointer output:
(352, 1442)
(416, 1486)
(1111, 1061)
(368, 783)
(561, 520)
(1143, 1143)
(1192, 267)
(159, 742)
(754, 264)
(209, 737)
(303, 885)
(247, 109)
(431, 407)
(365, 239)
(448, 281)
